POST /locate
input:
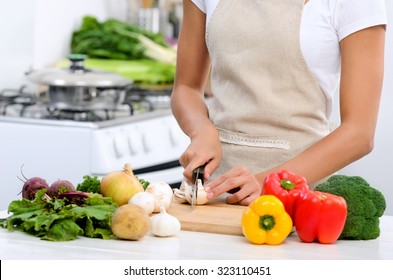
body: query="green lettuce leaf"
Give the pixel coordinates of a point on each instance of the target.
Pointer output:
(56, 220)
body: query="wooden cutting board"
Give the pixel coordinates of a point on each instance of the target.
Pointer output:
(214, 217)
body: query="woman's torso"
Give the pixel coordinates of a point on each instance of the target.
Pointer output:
(324, 23)
(266, 105)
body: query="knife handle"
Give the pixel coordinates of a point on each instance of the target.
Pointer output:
(199, 173)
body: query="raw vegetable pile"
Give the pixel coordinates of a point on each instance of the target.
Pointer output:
(113, 45)
(343, 207)
(116, 207)
(61, 212)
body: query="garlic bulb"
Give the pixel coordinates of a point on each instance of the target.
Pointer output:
(145, 200)
(184, 193)
(164, 224)
(162, 193)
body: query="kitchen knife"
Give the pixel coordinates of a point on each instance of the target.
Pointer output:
(197, 174)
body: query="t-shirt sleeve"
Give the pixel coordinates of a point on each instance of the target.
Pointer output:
(200, 4)
(355, 15)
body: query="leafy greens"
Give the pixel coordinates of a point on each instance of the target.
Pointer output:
(89, 184)
(112, 39)
(56, 220)
(137, 54)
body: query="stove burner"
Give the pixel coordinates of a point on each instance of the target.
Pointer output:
(11, 93)
(82, 116)
(19, 97)
(27, 104)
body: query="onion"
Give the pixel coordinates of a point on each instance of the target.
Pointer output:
(121, 185)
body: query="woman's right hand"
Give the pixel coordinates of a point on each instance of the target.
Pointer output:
(188, 99)
(205, 148)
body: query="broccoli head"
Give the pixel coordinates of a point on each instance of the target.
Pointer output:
(365, 205)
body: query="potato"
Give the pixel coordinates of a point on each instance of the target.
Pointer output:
(130, 222)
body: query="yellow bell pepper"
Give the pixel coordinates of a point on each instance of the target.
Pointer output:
(266, 221)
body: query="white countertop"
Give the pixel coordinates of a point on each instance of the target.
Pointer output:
(188, 245)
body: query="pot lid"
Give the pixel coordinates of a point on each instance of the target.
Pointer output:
(77, 75)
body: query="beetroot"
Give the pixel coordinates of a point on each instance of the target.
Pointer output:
(60, 186)
(32, 186)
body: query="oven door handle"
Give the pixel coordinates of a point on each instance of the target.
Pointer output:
(157, 167)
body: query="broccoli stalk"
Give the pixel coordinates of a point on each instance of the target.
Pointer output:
(365, 205)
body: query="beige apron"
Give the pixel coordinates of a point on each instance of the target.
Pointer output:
(266, 103)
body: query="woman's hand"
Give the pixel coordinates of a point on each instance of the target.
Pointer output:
(205, 148)
(187, 98)
(239, 181)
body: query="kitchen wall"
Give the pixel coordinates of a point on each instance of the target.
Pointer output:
(36, 33)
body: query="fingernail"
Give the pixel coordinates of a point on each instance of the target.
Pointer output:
(209, 195)
(207, 188)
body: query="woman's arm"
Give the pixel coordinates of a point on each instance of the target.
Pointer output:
(187, 101)
(362, 55)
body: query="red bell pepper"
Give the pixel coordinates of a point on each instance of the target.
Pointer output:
(287, 187)
(320, 217)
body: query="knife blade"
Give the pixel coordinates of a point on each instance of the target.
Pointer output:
(197, 174)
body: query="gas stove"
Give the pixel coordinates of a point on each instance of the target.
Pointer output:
(56, 143)
(24, 103)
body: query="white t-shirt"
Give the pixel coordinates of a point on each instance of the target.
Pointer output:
(324, 24)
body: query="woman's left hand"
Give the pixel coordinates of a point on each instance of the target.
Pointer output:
(240, 182)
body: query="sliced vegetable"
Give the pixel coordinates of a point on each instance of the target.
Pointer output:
(184, 193)
(265, 221)
(320, 217)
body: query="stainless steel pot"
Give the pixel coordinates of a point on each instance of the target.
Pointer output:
(78, 88)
